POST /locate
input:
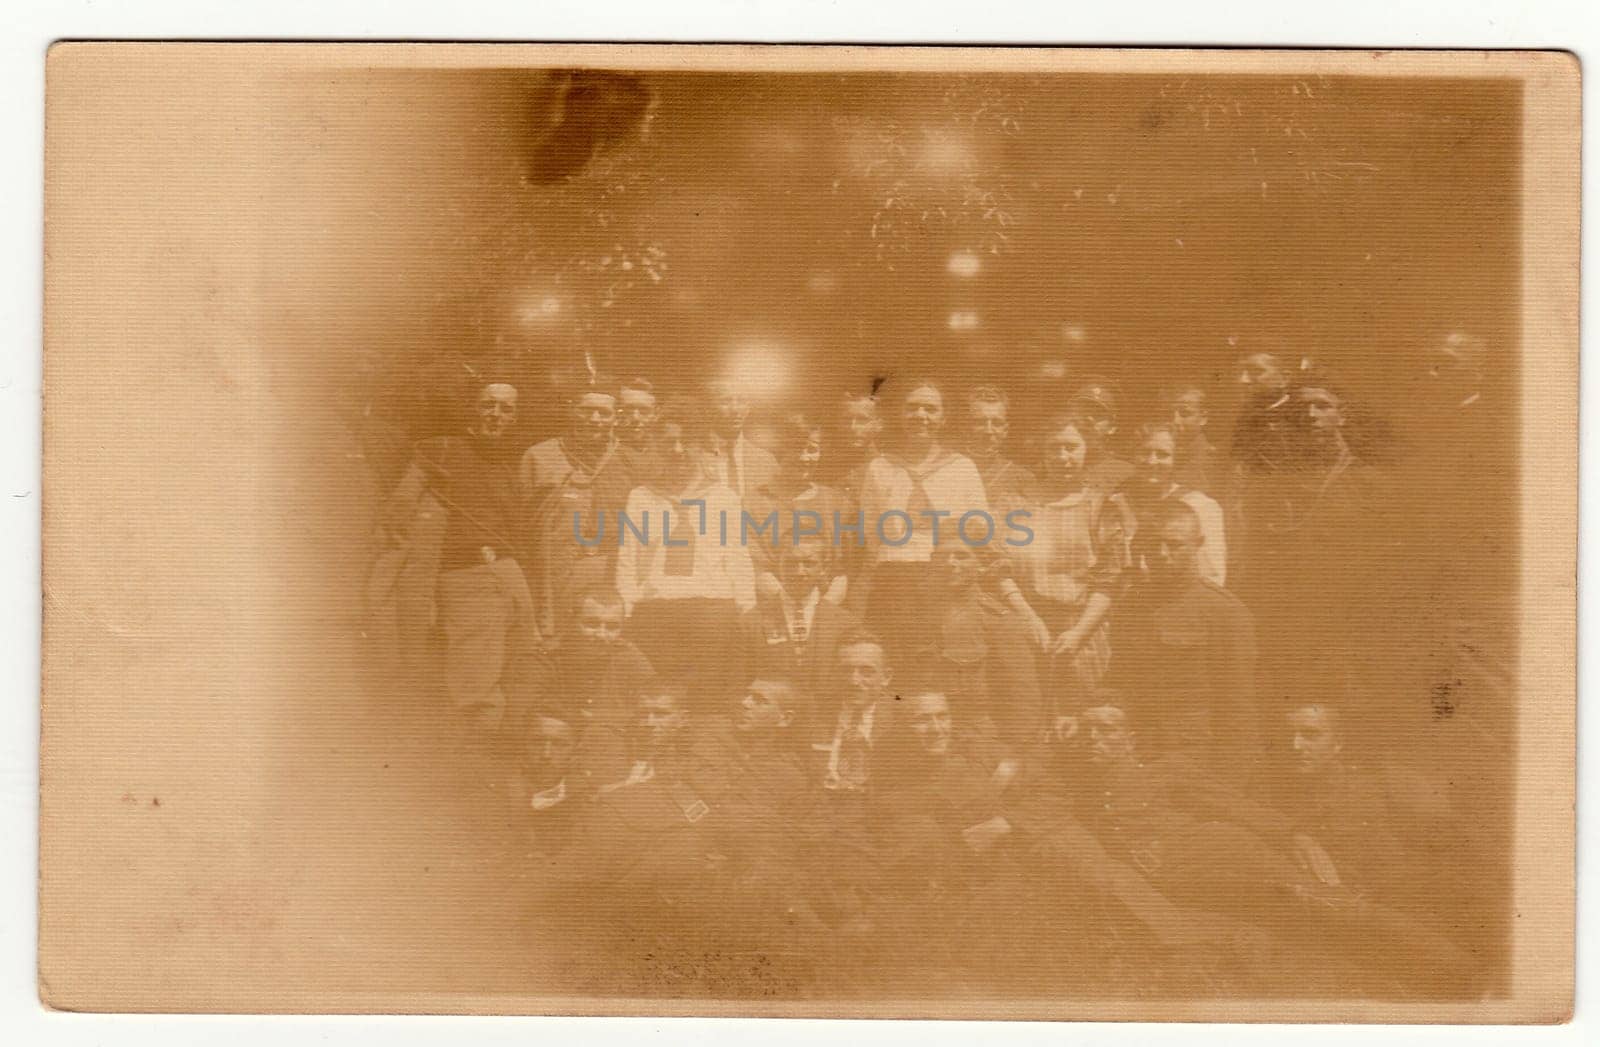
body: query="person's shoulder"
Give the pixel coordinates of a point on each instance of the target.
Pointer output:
(1199, 501)
(841, 617)
(546, 452)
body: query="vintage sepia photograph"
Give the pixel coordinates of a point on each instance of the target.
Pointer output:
(809, 531)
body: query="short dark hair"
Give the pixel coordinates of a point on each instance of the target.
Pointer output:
(601, 593)
(987, 394)
(1072, 418)
(857, 637)
(799, 700)
(1155, 425)
(1170, 391)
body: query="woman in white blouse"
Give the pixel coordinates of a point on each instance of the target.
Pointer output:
(906, 494)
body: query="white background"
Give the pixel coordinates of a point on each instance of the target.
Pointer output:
(30, 28)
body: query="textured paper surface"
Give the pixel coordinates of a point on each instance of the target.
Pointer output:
(229, 228)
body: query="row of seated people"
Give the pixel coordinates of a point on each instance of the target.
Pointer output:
(820, 818)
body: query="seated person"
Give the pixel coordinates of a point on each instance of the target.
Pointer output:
(859, 711)
(796, 635)
(940, 812)
(1385, 834)
(747, 766)
(645, 833)
(591, 672)
(542, 787)
(1210, 848)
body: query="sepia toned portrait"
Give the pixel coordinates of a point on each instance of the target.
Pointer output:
(809, 531)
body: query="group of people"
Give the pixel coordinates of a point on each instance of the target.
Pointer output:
(910, 652)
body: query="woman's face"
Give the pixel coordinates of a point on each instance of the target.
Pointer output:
(922, 414)
(804, 456)
(1065, 451)
(1157, 458)
(861, 423)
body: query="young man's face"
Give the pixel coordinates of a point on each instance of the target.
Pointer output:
(661, 717)
(862, 424)
(765, 708)
(1188, 413)
(1065, 451)
(550, 749)
(598, 623)
(594, 417)
(1110, 741)
(672, 463)
(636, 413)
(1262, 372)
(1175, 554)
(956, 566)
(1157, 459)
(731, 406)
(1321, 414)
(930, 723)
(922, 412)
(987, 428)
(801, 568)
(1314, 744)
(803, 457)
(863, 673)
(496, 411)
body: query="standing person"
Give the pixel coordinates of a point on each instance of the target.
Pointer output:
(735, 460)
(636, 415)
(1319, 551)
(458, 504)
(860, 426)
(1071, 569)
(1096, 401)
(571, 484)
(988, 425)
(1186, 654)
(1154, 485)
(1261, 442)
(1199, 465)
(912, 498)
(793, 504)
(683, 578)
